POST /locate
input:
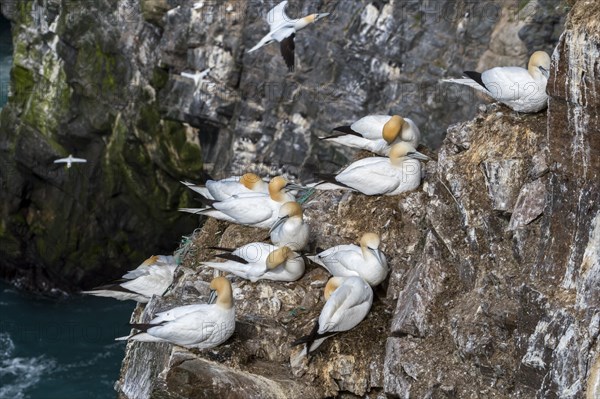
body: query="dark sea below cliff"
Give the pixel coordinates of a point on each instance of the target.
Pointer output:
(5, 59)
(60, 348)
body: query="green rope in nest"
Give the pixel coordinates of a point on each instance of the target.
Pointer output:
(306, 196)
(184, 246)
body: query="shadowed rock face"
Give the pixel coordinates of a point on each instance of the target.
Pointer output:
(495, 270)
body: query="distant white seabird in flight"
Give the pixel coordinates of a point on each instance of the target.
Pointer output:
(523, 90)
(70, 160)
(283, 29)
(377, 133)
(398, 173)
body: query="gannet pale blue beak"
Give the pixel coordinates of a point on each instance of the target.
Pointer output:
(418, 155)
(545, 72)
(320, 16)
(377, 253)
(212, 298)
(278, 223)
(292, 186)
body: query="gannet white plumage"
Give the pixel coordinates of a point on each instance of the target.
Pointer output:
(70, 160)
(290, 229)
(349, 300)
(261, 261)
(199, 326)
(196, 77)
(365, 261)
(398, 173)
(221, 190)
(283, 29)
(523, 90)
(377, 133)
(152, 277)
(251, 209)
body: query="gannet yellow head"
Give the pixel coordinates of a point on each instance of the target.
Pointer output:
(399, 152)
(150, 261)
(539, 64)
(332, 285)
(392, 128)
(250, 180)
(224, 294)
(370, 240)
(279, 256)
(290, 209)
(276, 186)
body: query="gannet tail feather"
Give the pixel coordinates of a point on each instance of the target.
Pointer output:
(233, 257)
(221, 249)
(476, 76)
(467, 82)
(344, 130)
(328, 182)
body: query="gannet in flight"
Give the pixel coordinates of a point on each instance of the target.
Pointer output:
(290, 229)
(224, 189)
(200, 326)
(261, 261)
(283, 29)
(398, 173)
(365, 261)
(349, 300)
(523, 90)
(377, 133)
(70, 160)
(152, 277)
(251, 209)
(196, 77)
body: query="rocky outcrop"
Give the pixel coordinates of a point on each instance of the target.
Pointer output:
(494, 282)
(103, 81)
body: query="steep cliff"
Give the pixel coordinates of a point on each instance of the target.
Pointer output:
(495, 277)
(102, 81)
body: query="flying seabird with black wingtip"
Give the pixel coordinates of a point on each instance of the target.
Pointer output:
(283, 29)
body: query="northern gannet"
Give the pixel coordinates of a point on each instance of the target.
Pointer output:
(398, 173)
(70, 160)
(523, 90)
(283, 29)
(349, 300)
(261, 261)
(152, 277)
(365, 261)
(377, 133)
(290, 229)
(196, 77)
(224, 189)
(251, 209)
(200, 326)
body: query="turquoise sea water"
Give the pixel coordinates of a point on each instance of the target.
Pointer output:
(60, 348)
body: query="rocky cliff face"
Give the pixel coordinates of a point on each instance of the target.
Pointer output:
(103, 81)
(495, 277)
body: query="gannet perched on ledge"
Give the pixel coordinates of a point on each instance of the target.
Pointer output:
(523, 90)
(70, 160)
(251, 209)
(349, 300)
(283, 29)
(366, 261)
(224, 189)
(398, 173)
(290, 229)
(152, 277)
(200, 326)
(261, 261)
(377, 133)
